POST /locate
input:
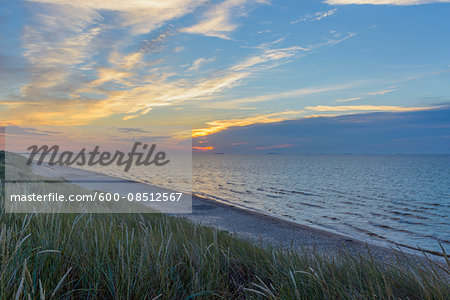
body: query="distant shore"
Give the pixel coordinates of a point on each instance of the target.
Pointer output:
(258, 227)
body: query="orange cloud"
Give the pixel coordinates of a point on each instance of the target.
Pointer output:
(216, 126)
(204, 148)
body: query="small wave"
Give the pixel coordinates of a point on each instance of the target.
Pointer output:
(367, 232)
(406, 214)
(237, 192)
(278, 190)
(391, 228)
(385, 216)
(331, 218)
(309, 204)
(353, 214)
(272, 196)
(412, 223)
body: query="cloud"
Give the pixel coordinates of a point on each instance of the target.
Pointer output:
(78, 75)
(220, 125)
(203, 149)
(179, 49)
(348, 99)
(274, 147)
(105, 75)
(263, 31)
(131, 130)
(218, 20)
(141, 16)
(382, 92)
(365, 108)
(80, 69)
(156, 43)
(14, 130)
(132, 95)
(199, 62)
(269, 55)
(288, 94)
(315, 17)
(334, 41)
(423, 131)
(61, 38)
(165, 93)
(384, 2)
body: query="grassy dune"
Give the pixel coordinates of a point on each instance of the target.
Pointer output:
(138, 256)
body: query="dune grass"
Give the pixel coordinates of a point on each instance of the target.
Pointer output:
(151, 256)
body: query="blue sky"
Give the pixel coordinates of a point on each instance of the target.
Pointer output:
(214, 65)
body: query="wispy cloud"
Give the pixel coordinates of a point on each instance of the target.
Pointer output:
(238, 144)
(336, 39)
(78, 73)
(141, 99)
(155, 43)
(275, 147)
(69, 84)
(365, 108)
(140, 16)
(218, 20)
(51, 58)
(289, 94)
(315, 17)
(384, 2)
(203, 149)
(14, 130)
(219, 125)
(131, 130)
(77, 77)
(199, 62)
(144, 93)
(376, 93)
(348, 99)
(269, 55)
(382, 92)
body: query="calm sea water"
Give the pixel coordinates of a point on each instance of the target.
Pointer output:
(378, 198)
(384, 199)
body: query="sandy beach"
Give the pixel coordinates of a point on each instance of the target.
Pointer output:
(255, 226)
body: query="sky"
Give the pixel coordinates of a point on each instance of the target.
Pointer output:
(218, 67)
(415, 132)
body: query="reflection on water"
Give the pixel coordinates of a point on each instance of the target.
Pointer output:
(400, 198)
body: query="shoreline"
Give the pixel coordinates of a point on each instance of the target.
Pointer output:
(255, 226)
(271, 230)
(386, 245)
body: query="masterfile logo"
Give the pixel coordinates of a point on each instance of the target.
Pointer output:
(92, 158)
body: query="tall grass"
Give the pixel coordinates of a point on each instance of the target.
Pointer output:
(137, 256)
